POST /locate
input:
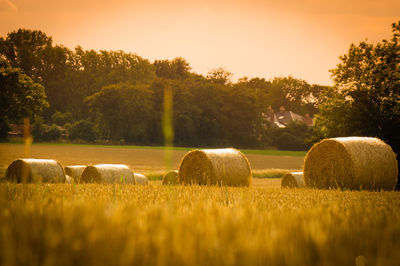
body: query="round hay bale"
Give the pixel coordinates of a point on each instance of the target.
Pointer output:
(141, 179)
(35, 170)
(69, 179)
(107, 174)
(170, 178)
(215, 167)
(351, 163)
(74, 171)
(292, 180)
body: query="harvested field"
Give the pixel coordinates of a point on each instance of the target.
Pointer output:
(139, 160)
(123, 224)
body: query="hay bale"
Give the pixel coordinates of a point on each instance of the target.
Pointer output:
(351, 163)
(69, 179)
(170, 178)
(292, 180)
(74, 171)
(107, 174)
(141, 179)
(215, 167)
(35, 170)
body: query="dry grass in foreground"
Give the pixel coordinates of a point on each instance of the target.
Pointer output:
(49, 224)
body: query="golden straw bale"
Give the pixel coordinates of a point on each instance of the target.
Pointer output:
(35, 170)
(141, 179)
(292, 180)
(215, 167)
(107, 174)
(69, 179)
(351, 163)
(74, 171)
(170, 178)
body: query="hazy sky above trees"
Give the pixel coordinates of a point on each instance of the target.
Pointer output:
(251, 38)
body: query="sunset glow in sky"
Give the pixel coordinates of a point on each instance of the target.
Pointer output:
(252, 38)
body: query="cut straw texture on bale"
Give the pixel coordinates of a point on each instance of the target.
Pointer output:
(170, 178)
(292, 180)
(228, 167)
(107, 174)
(351, 163)
(69, 179)
(74, 171)
(35, 170)
(141, 179)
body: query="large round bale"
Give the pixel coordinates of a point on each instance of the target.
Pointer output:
(74, 171)
(107, 174)
(292, 180)
(141, 179)
(35, 170)
(351, 163)
(227, 167)
(170, 178)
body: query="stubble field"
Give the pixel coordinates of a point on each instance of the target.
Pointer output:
(95, 224)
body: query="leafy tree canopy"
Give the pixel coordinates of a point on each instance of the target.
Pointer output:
(19, 97)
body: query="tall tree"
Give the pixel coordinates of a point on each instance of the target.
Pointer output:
(178, 68)
(219, 75)
(294, 94)
(124, 110)
(20, 97)
(24, 49)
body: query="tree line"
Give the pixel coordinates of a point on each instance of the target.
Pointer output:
(119, 97)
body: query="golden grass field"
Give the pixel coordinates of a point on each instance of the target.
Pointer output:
(98, 224)
(139, 160)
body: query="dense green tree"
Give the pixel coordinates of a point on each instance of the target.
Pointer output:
(293, 137)
(124, 110)
(293, 94)
(178, 68)
(24, 49)
(43, 132)
(208, 98)
(366, 98)
(83, 130)
(20, 97)
(61, 119)
(243, 113)
(220, 75)
(32, 51)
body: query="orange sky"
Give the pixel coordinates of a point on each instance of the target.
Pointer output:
(252, 38)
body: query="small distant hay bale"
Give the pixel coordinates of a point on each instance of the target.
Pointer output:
(107, 174)
(35, 170)
(170, 178)
(69, 179)
(74, 171)
(351, 163)
(292, 180)
(141, 179)
(228, 167)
